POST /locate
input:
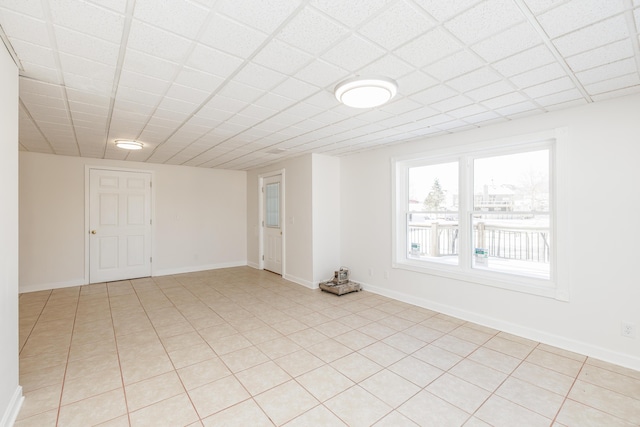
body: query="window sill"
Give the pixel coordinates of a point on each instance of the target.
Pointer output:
(511, 282)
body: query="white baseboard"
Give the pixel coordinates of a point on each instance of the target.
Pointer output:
(196, 268)
(565, 343)
(299, 281)
(11, 412)
(48, 286)
(253, 265)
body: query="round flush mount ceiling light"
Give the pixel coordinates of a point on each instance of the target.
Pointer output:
(128, 144)
(366, 92)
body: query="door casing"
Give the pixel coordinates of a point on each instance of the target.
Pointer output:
(261, 218)
(87, 220)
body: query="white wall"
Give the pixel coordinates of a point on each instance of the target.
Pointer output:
(326, 216)
(298, 232)
(10, 391)
(603, 201)
(199, 223)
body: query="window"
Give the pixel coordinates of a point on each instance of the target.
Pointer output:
(485, 214)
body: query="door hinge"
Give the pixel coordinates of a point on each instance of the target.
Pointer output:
(151, 222)
(262, 189)
(151, 259)
(150, 184)
(263, 257)
(263, 223)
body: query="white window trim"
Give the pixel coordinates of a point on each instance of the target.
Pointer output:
(558, 285)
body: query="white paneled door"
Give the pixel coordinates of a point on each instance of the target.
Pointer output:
(119, 225)
(272, 225)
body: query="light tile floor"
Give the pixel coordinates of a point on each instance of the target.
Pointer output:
(242, 347)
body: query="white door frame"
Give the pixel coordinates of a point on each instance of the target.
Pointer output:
(87, 221)
(283, 201)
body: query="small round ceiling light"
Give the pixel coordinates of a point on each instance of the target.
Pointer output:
(366, 92)
(128, 144)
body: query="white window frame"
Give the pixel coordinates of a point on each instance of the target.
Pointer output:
(557, 286)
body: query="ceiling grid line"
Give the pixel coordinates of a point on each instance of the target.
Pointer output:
(118, 71)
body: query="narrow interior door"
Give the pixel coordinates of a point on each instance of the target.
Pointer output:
(272, 227)
(119, 225)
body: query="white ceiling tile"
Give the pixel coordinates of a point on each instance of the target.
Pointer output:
(504, 100)
(89, 69)
(88, 18)
(480, 117)
(177, 105)
(142, 82)
(311, 31)
(537, 6)
(188, 94)
(295, 88)
(576, 14)
(40, 73)
(388, 66)
(265, 16)
(601, 56)
(538, 75)
(83, 45)
(240, 92)
(149, 65)
(593, 36)
(321, 73)
(324, 99)
(353, 53)
(548, 88)
(24, 27)
(467, 111)
(455, 65)
(474, 79)
(88, 108)
(274, 101)
(443, 10)
(511, 41)
(484, 19)
(28, 86)
(96, 84)
(352, 13)
(34, 54)
(525, 61)
(199, 80)
(119, 6)
(559, 97)
(428, 48)
(384, 28)
(400, 106)
(30, 8)
(224, 103)
(158, 42)
(178, 16)
(616, 93)
(617, 83)
(138, 96)
(259, 77)
(232, 37)
(452, 103)
(415, 82)
(259, 113)
(282, 57)
(433, 94)
(213, 61)
(608, 71)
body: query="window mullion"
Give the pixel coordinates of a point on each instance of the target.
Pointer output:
(466, 174)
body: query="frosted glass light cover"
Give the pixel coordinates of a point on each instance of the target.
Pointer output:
(368, 92)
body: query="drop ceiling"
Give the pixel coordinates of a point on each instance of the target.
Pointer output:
(240, 84)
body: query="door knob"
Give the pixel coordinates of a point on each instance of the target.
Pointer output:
(93, 231)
